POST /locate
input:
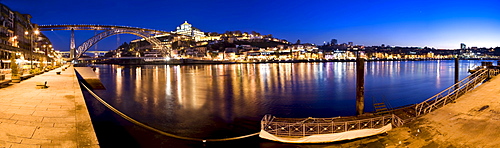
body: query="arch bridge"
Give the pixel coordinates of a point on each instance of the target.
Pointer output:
(108, 30)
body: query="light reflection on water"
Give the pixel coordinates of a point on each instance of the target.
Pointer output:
(229, 100)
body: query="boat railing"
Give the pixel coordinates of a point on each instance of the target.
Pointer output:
(302, 129)
(451, 93)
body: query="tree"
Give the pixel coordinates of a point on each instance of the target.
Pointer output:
(255, 33)
(298, 42)
(228, 33)
(237, 33)
(496, 51)
(213, 34)
(13, 65)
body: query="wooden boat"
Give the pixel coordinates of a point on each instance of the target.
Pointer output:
(473, 70)
(323, 130)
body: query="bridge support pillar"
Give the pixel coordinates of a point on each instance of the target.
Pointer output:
(360, 86)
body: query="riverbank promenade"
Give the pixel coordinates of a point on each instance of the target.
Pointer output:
(54, 116)
(473, 121)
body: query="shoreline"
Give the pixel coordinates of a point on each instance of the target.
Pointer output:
(162, 61)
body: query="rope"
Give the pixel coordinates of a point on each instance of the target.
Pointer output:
(157, 130)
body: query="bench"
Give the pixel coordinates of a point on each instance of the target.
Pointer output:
(4, 82)
(41, 85)
(24, 77)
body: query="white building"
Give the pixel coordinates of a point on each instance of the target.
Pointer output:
(188, 30)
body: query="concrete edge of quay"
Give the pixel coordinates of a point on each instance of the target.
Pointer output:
(85, 129)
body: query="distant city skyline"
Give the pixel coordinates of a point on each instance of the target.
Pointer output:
(438, 24)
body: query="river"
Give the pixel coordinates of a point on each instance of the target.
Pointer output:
(227, 100)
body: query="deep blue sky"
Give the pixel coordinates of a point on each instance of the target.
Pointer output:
(440, 24)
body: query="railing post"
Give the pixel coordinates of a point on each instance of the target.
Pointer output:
(489, 76)
(319, 128)
(303, 130)
(444, 102)
(289, 131)
(371, 123)
(393, 120)
(276, 129)
(333, 127)
(345, 127)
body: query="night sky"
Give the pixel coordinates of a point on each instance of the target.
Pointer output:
(441, 24)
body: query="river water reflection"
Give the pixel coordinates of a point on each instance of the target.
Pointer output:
(217, 101)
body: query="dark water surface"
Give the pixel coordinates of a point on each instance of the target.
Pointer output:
(219, 101)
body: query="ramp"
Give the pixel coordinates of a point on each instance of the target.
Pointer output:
(89, 77)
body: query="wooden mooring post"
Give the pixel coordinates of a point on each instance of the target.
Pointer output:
(456, 71)
(360, 85)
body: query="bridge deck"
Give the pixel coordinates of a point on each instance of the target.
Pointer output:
(53, 117)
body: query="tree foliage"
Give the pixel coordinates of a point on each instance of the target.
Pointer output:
(496, 51)
(13, 64)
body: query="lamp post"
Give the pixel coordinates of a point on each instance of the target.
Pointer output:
(31, 46)
(36, 32)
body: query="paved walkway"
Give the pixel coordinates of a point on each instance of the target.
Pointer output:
(53, 117)
(473, 121)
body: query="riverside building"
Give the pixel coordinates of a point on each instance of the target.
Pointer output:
(21, 37)
(188, 30)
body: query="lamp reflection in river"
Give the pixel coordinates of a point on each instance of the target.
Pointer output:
(138, 74)
(168, 82)
(138, 87)
(119, 83)
(178, 79)
(196, 100)
(438, 73)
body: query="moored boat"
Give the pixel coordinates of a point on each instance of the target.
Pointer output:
(473, 70)
(323, 130)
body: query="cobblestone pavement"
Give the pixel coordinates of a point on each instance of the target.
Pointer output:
(55, 116)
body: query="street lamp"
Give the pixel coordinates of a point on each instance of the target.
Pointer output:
(36, 32)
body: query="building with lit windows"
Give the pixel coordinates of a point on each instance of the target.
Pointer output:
(188, 30)
(18, 35)
(462, 46)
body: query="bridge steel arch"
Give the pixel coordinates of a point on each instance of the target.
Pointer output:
(110, 30)
(157, 44)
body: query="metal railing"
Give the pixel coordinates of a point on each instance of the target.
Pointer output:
(302, 129)
(451, 93)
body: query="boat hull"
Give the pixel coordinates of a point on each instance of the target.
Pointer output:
(325, 138)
